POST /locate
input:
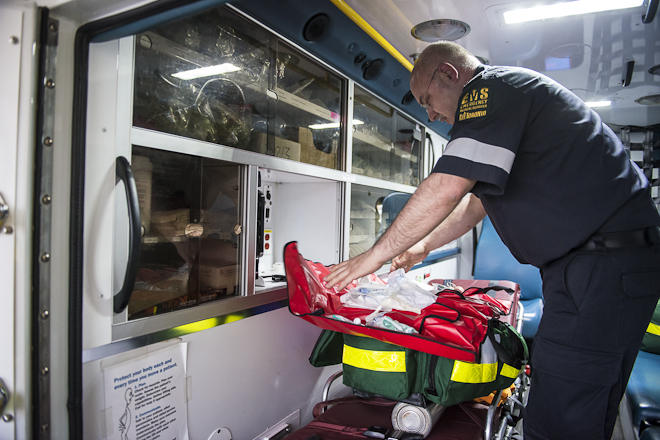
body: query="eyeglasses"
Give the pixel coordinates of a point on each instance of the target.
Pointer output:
(425, 102)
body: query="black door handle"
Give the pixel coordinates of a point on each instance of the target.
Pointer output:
(125, 174)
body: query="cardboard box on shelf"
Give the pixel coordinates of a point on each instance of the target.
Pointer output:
(283, 148)
(218, 277)
(310, 154)
(303, 150)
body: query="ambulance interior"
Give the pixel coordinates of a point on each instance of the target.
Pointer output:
(184, 185)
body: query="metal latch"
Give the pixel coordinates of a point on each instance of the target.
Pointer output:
(4, 396)
(4, 211)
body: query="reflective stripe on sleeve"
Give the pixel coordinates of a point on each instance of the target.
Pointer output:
(467, 372)
(390, 361)
(480, 152)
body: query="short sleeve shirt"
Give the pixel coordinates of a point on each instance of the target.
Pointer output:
(549, 173)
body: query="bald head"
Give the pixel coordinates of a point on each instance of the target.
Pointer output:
(442, 52)
(438, 78)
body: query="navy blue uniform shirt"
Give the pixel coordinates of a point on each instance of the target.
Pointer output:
(549, 172)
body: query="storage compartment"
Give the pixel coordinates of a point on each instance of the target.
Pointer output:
(372, 211)
(219, 78)
(235, 140)
(386, 144)
(190, 251)
(298, 208)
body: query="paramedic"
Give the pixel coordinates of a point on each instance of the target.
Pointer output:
(563, 195)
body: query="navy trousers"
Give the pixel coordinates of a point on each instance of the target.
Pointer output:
(597, 307)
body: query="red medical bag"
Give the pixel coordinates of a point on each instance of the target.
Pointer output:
(454, 327)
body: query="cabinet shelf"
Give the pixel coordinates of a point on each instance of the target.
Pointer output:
(301, 103)
(359, 238)
(316, 110)
(374, 141)
(155, 239)
(370, 215)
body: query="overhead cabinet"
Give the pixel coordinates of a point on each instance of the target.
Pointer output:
(219, 78)
(231, 141)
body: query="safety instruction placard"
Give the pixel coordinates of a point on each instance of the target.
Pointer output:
(145, 398)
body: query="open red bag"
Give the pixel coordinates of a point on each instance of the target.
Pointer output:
(454, 327)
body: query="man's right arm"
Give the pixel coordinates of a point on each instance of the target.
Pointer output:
(466, 216)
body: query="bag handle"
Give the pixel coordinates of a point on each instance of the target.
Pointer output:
(472, 291)
(457, 292)
(477, 290)
(458, 316)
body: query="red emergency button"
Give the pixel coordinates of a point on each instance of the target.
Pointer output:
(267, 246)
(267, 236)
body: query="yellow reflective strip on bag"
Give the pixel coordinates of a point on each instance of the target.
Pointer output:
(467, 372)
(654, 329)
(509, 371)
(390, 361)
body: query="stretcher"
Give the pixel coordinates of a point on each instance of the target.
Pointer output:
(353, 417)
(493, 418)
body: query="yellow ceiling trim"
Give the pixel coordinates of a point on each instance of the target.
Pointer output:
(350, 12)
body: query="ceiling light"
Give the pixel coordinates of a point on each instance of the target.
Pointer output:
(332, 125)
(599, 103)
(443, 29)
(206, 71)
(566, 9)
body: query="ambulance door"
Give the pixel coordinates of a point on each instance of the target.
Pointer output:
(17, 70)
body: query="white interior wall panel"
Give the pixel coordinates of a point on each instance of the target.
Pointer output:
(245, 376)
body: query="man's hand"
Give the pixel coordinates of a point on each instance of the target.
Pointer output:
(409, 258)
(344, 273)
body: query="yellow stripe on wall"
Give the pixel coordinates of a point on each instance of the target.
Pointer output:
(390, 361)
(467, 372)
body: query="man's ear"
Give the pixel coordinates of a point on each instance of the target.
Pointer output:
(448, 71)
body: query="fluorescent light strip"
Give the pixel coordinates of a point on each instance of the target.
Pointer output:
(599, 103)
(332, 125)
(566, 9)
(206, 71)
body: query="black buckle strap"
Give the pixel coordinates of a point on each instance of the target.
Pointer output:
(639, 238)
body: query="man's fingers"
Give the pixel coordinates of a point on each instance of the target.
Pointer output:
(338, 267)
(340, 281)
(337, 275)
(399, 262)
(344, 273)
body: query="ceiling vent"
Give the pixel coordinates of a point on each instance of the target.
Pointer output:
(442, 29)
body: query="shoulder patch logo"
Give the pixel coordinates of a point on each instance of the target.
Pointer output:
(474, 104)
